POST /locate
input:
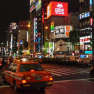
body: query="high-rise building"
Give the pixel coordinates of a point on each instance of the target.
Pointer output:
(85, 27)
(12, 39)
(37, 11)
(22, 38)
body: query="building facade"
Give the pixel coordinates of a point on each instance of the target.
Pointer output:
(85, 27)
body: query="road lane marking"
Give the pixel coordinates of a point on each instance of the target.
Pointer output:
(5, 86)
(67, 71)
(85, 79)
(56, 74)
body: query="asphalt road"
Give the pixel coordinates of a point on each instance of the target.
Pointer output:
(67, 80)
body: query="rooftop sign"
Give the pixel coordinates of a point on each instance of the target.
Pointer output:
(57, 9)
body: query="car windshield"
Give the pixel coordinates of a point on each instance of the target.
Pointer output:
(28, 67)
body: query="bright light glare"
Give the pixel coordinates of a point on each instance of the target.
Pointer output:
(46, 27)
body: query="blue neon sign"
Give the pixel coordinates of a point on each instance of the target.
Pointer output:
(88, 52)
(90, 2)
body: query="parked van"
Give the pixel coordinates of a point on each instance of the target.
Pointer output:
(75, 58)
(72, 58)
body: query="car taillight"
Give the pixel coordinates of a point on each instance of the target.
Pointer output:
(23, 81)
(51, 78)
(32, 70)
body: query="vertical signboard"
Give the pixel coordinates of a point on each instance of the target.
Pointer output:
(32, 5)
(91, 21)
(38, 5)
(35, 30)
(52, 25)
(90, 5)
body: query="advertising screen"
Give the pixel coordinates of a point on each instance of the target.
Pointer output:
(62, 31)
(57, 9)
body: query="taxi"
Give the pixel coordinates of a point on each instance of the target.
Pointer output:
(9, 60)
(24, 75)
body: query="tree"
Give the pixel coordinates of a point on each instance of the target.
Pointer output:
(73, 37)
(20, 50)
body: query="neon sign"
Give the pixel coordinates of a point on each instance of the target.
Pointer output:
(57, 9)
(85, 39)
(91, 21)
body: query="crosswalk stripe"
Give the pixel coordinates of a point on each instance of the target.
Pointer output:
(56, 74)
(66, 71)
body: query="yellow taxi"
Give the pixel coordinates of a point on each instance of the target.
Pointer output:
(23, 75)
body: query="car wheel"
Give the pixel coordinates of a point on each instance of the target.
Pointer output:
(5, 82)
(42, 89)
(15, 87)
(91, 75)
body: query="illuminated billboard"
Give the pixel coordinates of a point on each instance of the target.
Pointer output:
(57, 9)
(38, 5)
(62, 31)
(23, 24)
(32, 5)
(13, 25)
(85, 39)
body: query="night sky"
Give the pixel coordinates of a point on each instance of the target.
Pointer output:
(16, 10)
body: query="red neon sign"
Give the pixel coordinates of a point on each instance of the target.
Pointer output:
(57, 9)
(91, 21)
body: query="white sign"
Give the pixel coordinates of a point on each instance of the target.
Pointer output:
(85, 39)
(59, 9)
(62, 31)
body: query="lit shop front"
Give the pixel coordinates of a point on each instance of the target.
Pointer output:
(86, 46)
(60, 37)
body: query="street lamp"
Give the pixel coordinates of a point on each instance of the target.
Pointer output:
(46, 27)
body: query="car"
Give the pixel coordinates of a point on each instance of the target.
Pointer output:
(9, 60)
(23, 75)
(39, 60)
